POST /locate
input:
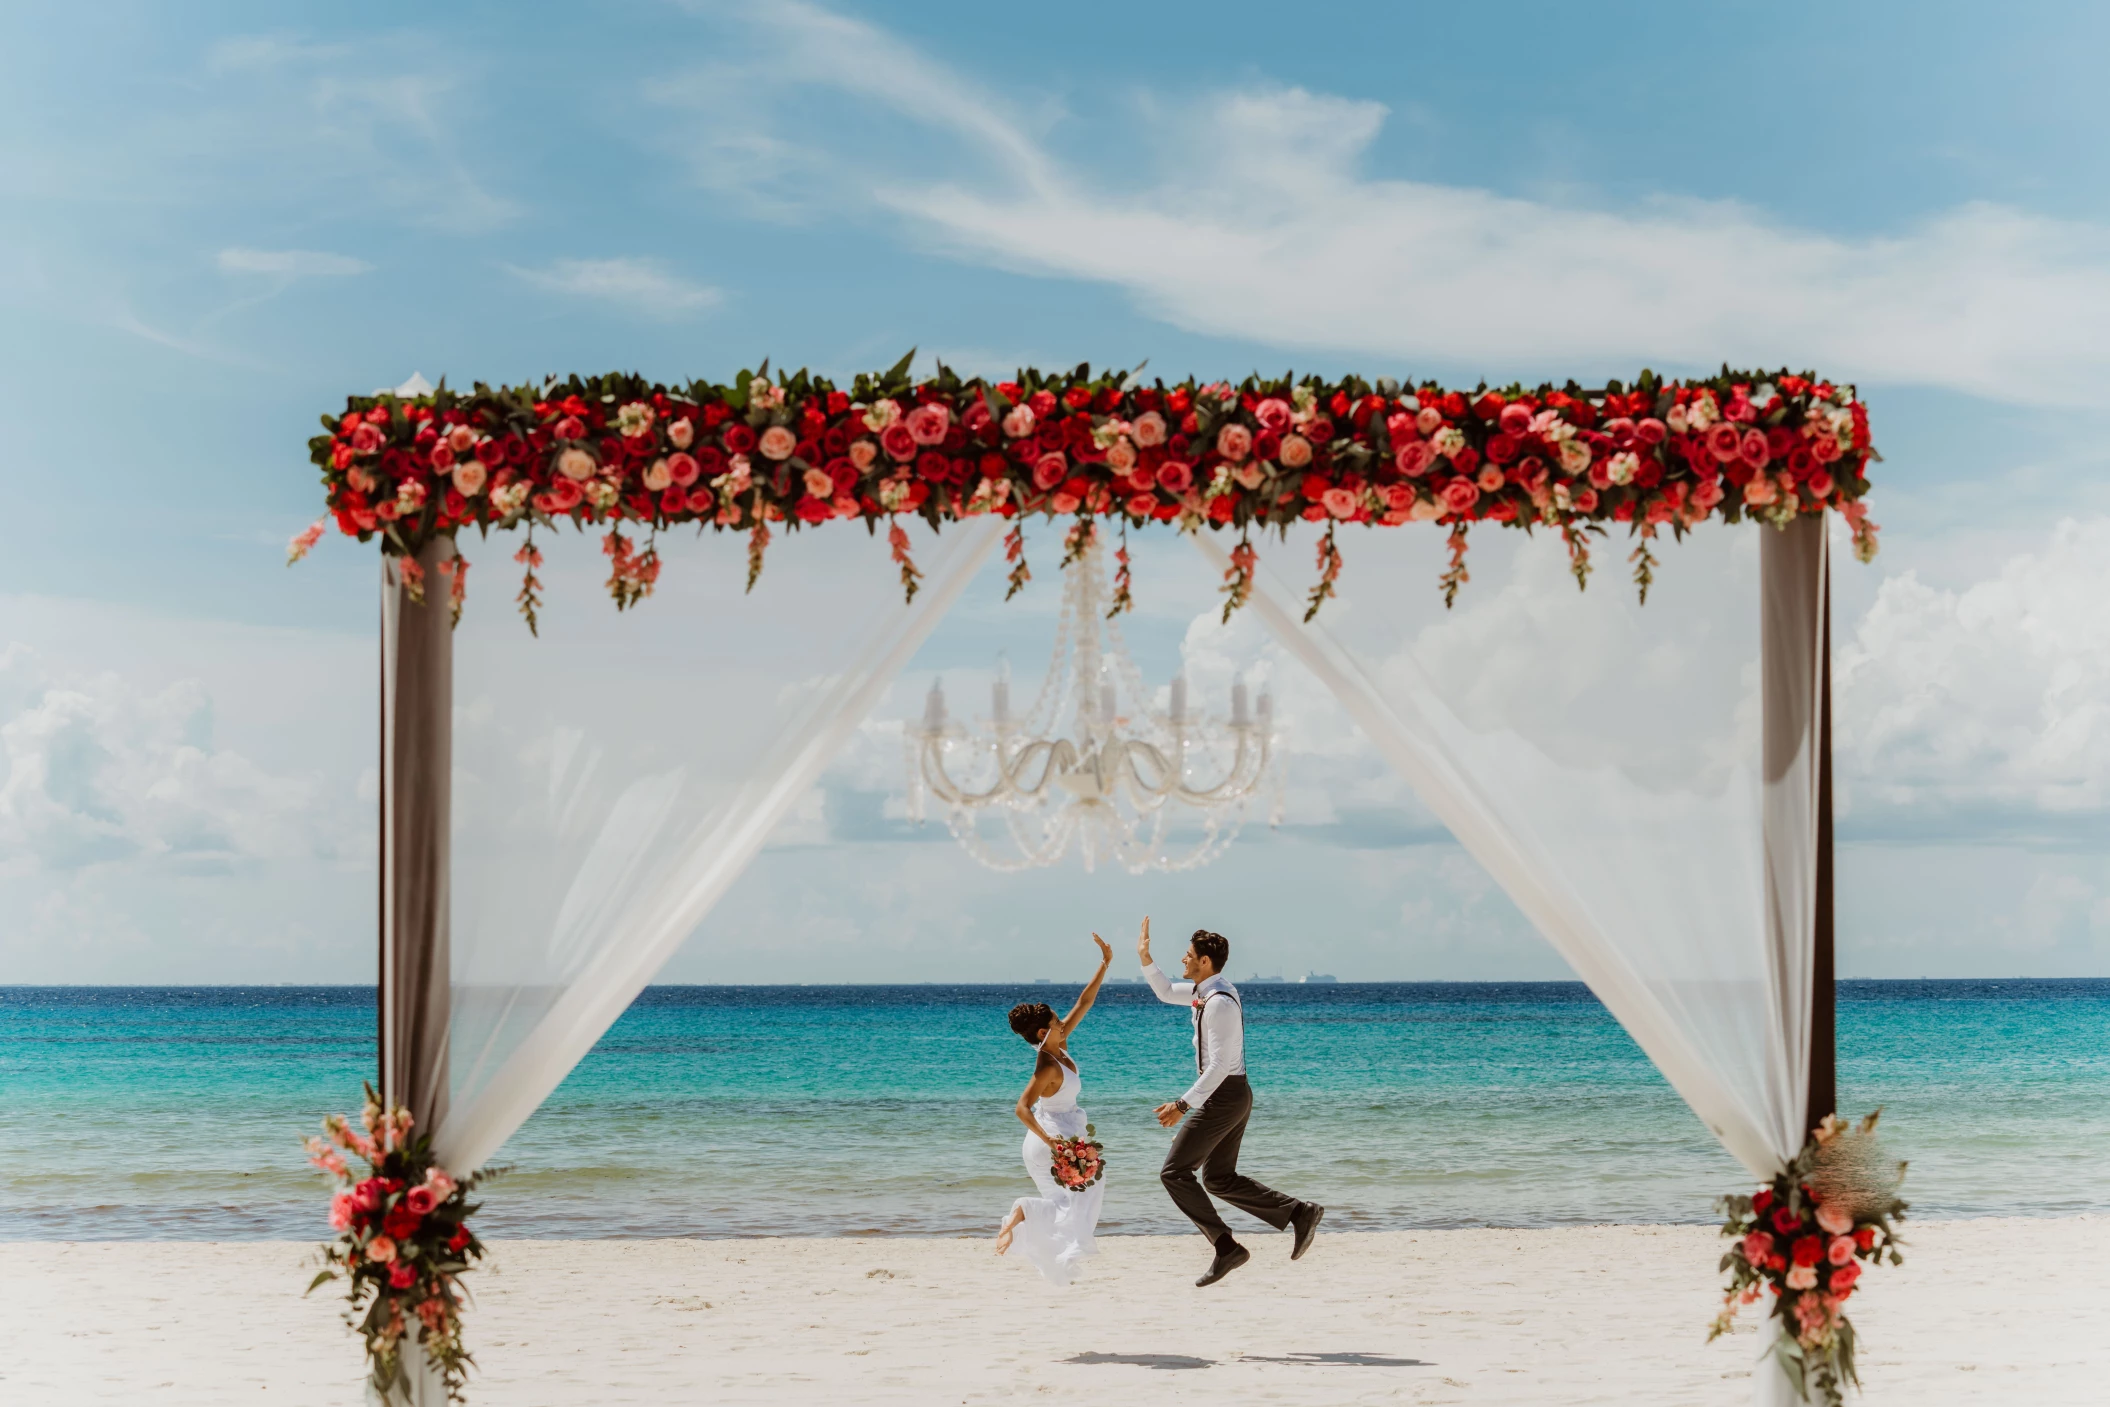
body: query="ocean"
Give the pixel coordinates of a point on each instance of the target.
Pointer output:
(177, 1113)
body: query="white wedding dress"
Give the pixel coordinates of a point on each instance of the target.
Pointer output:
(1059, 1224)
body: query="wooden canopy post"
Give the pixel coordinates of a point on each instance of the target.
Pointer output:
(417, 719)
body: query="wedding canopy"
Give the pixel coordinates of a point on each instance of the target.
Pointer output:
(553, 827)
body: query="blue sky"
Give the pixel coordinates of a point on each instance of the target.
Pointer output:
(220, 219)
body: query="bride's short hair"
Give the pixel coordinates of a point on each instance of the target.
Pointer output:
(1031, 1019)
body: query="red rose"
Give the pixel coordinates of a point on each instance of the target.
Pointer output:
(1807, 1250)
(459, 1239)
(934, 466)
(700, 501)
(401, 1276)
(740, 438)
(1753, 449)
(1040, 403)
(1140, 505)
(710, 460)
(1515, 419)
(1466, 460)
(814, 510)
(843, 474)
(1785, 1221)
(1724, 441)
(1843, 1277)
(1585, 500)
(899, 444)
(1502, 448)
(1761, 1199)
(1319, 430)
(1220, 509)
(1267, 445)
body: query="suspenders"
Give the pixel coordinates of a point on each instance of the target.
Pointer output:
(1198, 1023)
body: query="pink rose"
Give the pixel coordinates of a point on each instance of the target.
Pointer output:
(469, 478)
(368, 438)
(1824, 447)
(1142, 505)
(1398, 497)
(1248, 476)
(1835, 1219)
(1064, 503)
(1840, 1251)
(1428, 420)
(1018, 422)
(1757, 1246)
(1585, 500)
(1414, 458)
(1515, 419)
(777, 443)
(576, 465)
(1724, 442)
(1459, 495)
(1339, 502)
(1121, 456)
(442, 1185)
(1821, 484)
(1295, 452)
(1050, 469)
(571, 428)
(898, 442)
(1234, 442)
(1651, 431)
(1273, 414)
(442, 457)
(461, 439)
(683, 468)
(1149, 429)
(1844, 1276)
(657, 476)
(1142, 478)
(341, 1212)
(381, 1249)
(862, 453)
(1706, 494)
(420, 1200)
(402, 1276)
(1753, 450)
(1175, 476)
(928, 424)
(682, 433)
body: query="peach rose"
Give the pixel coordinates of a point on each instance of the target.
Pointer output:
(682, 433)
(1121, 456)
(657, 476)
(381, 1249)
(576, 465)
(1273, 414)
(1339, 502)
(1234, 442)
(1428, 420)
(1249, 476)
(777, 443)
(1802, 1277)
(1018, 422)
(469, 478)
(1490, 479)
(819, 484)
(1149, 429)
(1834, 1218)
(862, 454)
(461, 439)
(1295, 453)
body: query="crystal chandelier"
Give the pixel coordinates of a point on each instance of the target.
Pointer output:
(1118, 779)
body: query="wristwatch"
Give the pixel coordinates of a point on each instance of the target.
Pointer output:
(1181, 1105)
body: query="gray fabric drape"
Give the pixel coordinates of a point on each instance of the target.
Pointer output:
(417, 706)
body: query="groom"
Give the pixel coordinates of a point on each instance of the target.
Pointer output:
(1221, 1101)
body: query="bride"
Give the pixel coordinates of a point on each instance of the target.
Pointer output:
(1053, 1230)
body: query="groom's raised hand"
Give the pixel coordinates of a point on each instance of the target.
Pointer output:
(1143, 942)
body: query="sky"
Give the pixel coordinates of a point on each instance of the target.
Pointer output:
(218, 222)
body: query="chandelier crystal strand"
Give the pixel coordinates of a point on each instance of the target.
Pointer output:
(1106, 782)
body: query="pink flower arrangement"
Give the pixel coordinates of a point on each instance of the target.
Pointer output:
(402, 1242)
(1809, 1250)
(627, 456)
(1079, 1162)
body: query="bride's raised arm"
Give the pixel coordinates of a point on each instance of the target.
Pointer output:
(1090, 993)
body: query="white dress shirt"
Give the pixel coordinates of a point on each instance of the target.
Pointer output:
(1219, 1036)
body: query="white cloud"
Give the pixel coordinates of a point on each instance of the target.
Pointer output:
(1985, 708)
(635, 285)
(1270, 231)
(98, 769)
(291, 263)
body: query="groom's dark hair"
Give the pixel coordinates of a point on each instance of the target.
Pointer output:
(1029, 1019)
(1213, 946)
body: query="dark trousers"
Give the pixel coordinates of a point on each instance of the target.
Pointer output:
(1209, 1140)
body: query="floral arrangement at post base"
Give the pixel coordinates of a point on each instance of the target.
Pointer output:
(403, 1242)
(625, 456)
(1077, 1163)
(1804, 1239)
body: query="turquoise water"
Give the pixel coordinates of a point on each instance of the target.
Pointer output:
(719, 1111)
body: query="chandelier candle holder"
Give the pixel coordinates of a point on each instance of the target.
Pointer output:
(1093, 761)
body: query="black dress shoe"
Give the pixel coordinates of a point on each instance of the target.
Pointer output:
(1224, 1264)
(1305, 1222)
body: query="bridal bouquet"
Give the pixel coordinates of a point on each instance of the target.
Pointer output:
(1078, 1162)
(402, 1243)
(1804, 1238)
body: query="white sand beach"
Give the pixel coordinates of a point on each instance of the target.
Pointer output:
(1992, 1311)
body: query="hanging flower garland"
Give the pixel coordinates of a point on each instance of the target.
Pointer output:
(634, 457)
(1803, 1238)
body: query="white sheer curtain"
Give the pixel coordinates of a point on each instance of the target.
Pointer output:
(1641, 780)
(613, 777)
